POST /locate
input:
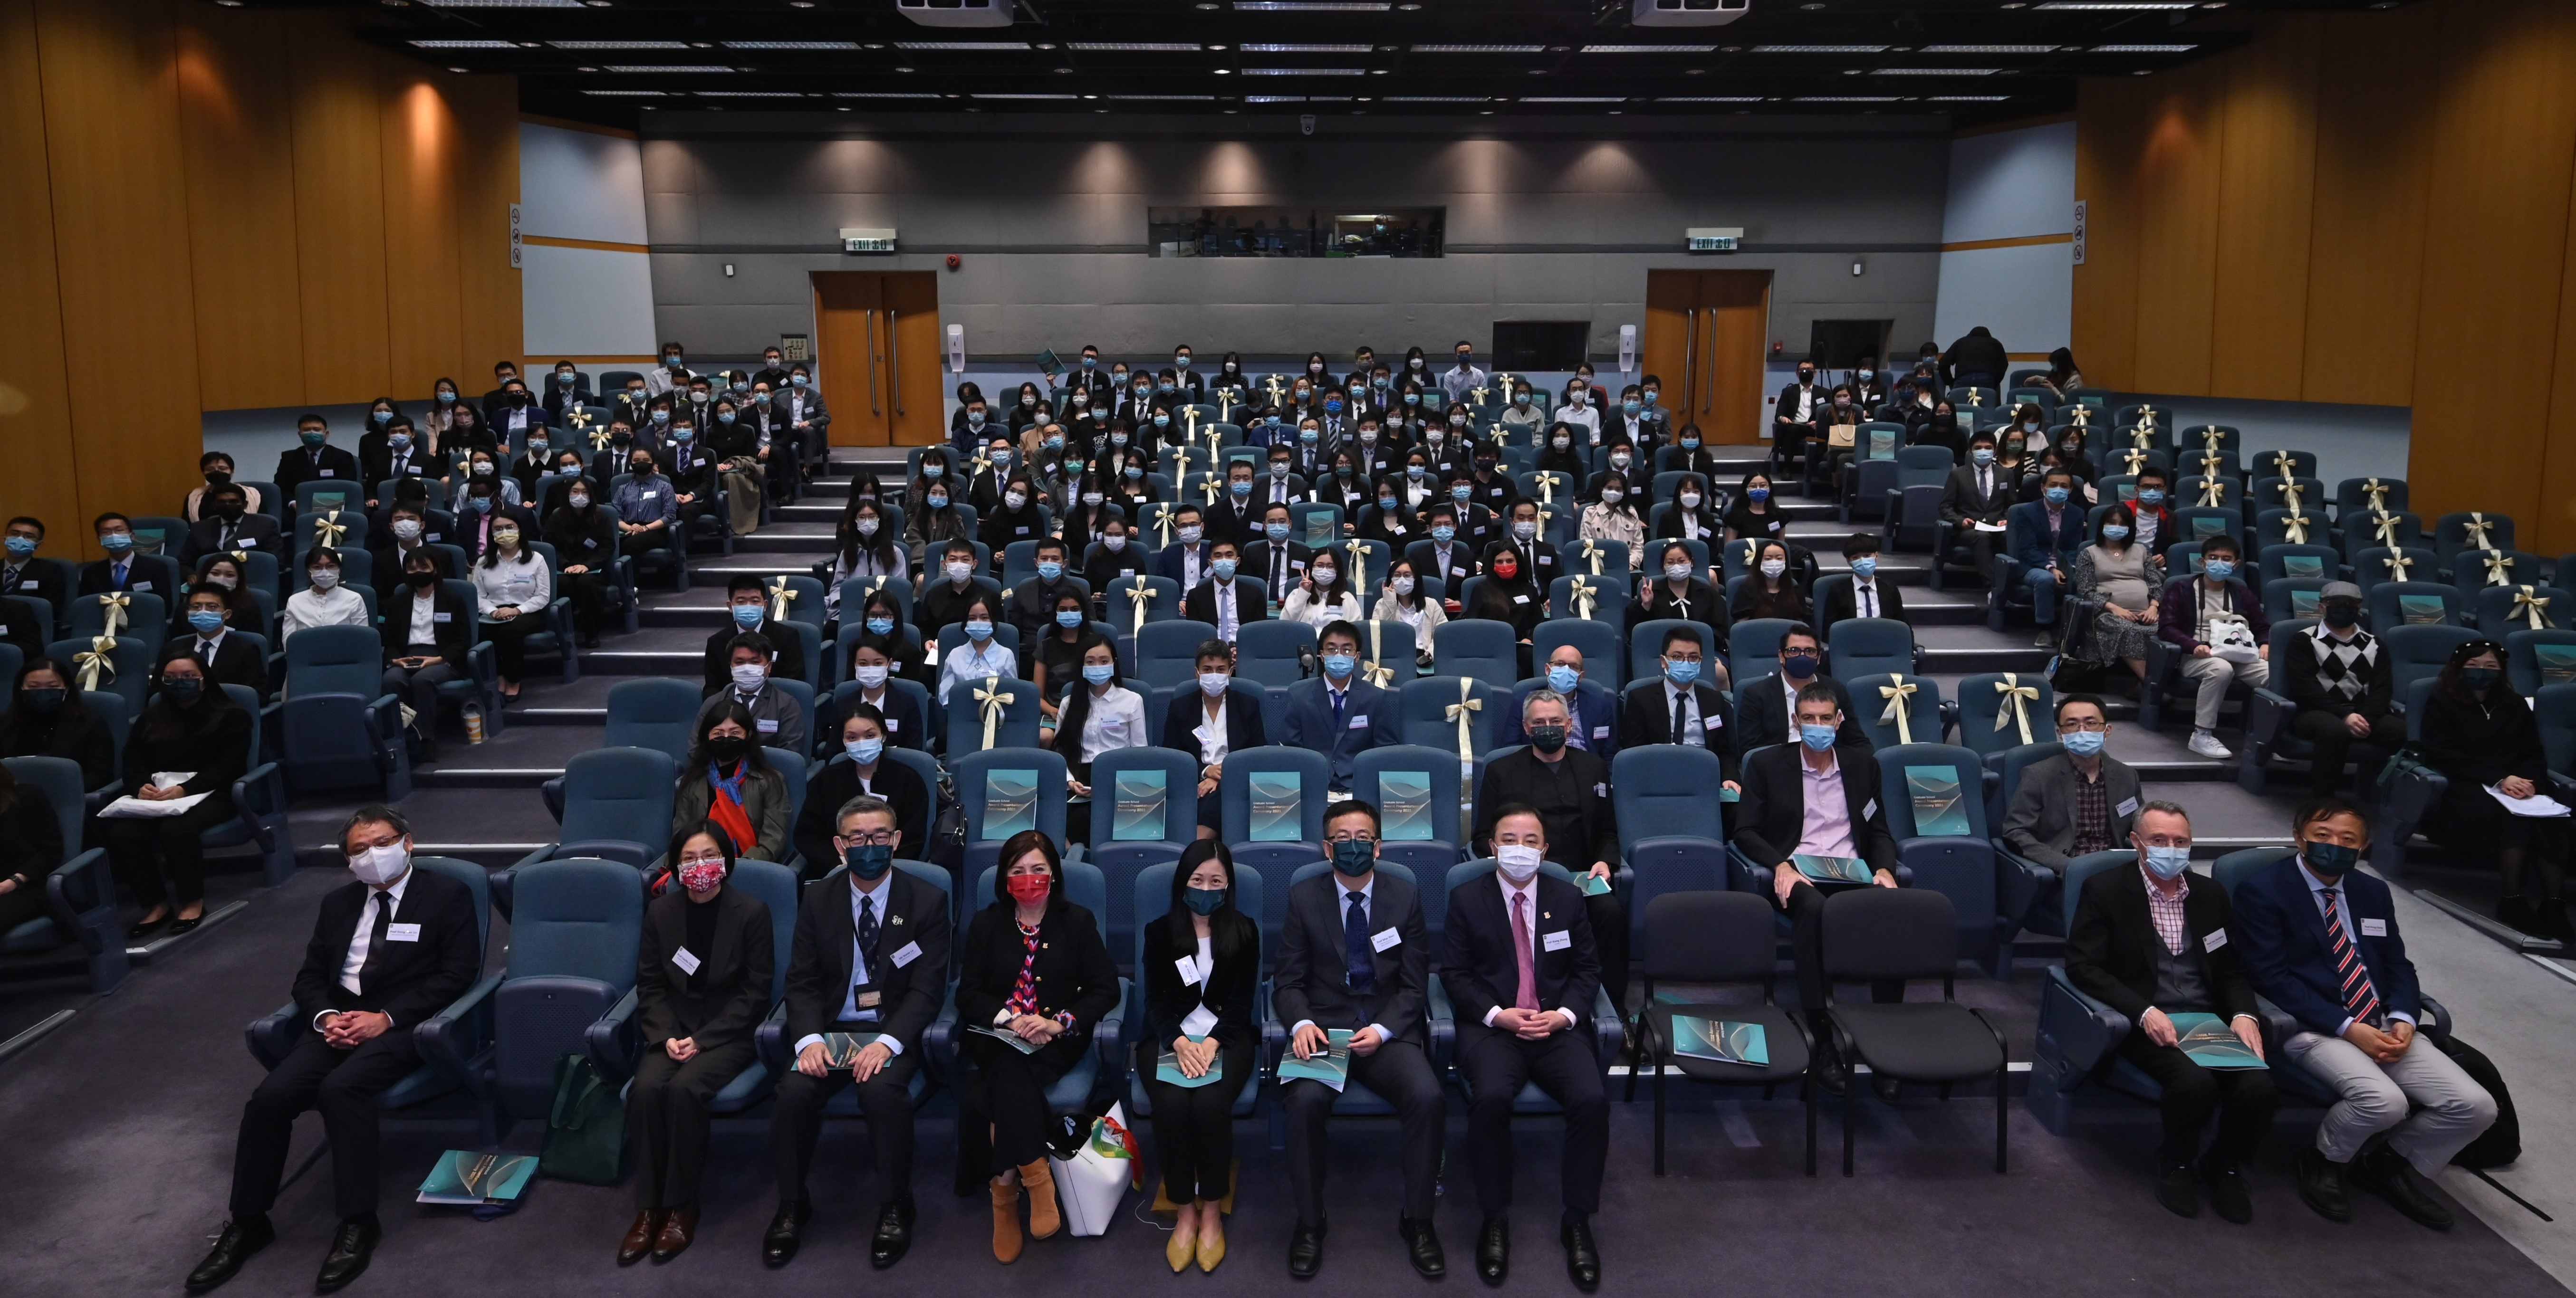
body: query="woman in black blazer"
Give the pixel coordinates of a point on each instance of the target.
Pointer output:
(586, 545)
(416, 665)
(1202, 1020)
(1034, 973)
(31, 847)
(857, 765)
(2479, 732)
(188, 726)
(1765, 594)
(46, 719)
(1689, 597)
(702, 983)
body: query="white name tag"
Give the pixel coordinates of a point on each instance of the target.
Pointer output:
(767, 726)
(1557, 941)
(1384, 938)
(1869, 811)
(1360, 722)
(1710, 722)
(402, 932)
(246, 542)
(649, 495)
(687, 962)
(1189, 967)
(138, 585)
(2217, 938)
(326, 473)
(442, 617)
(2374, 928)
(2128, 807)
(893, 724)
(911, 951)
(1520, 599)
(1601, 732)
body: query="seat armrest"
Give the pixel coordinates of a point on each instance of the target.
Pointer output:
(250, 809)
(1608, 1028)
(272, 1035)
(769, 1040)
(2084, 1030)
(455, 1040)
(1109, 1036)
(1444, 1026)
(613, 1039)
(2278, 1026)
(80, 894)
(2266, 715)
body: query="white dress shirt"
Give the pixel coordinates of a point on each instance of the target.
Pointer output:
(1211, 730)
(360, 941)
(1116, 720)
(1864, 598)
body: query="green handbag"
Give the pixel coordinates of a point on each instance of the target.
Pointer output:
(586, 1131)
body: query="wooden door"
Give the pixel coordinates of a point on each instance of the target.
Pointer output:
(878, 346)
(918, 414)
(1705, 333)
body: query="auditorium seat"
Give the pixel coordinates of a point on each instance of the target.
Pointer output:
(614, 1041)
(1002, 709)
(1713, 939)
(341, 730)
(1272, 802)
(1151, 900)
(1606, 1026)
(1084, 887)
(80, 893)
(1876, 696)
(1873, 934)
(1936, 810)
(1400, 777)
(2003, 710)
(1004, 790)
(1149, 818)
(1452, 712)
(617, 805)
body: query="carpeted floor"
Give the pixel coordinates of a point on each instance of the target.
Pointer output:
(124, 1120)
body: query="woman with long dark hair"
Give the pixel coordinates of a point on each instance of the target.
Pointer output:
(2479, 732)
(1202, 969)
(728, 782)
(46, 719)
(188, 727)
(31, 847)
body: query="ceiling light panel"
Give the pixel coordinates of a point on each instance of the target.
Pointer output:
(1133, 47)
(883, 94)
(668, 67)
(503, 4)
(1649, 49)
(1311, 6)
(791, 45)
(2144, 49)
(1936, 72)
(986, 46)
(465, 45)
(1480, 49)
(1305, 72)
(1988, 49)
(1308, 49)
(1819, 49)
(619, 45)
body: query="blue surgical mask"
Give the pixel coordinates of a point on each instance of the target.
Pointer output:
(1631, 407)
(1864, 567)
(1982, 455)
(1563, 679)
(1099, 673)
(1461, 492)
(1816, 738)
(1049, 570)
(881, 625)
(1333, 405)
(864, 751)
(1444, 533)
(748, 616)
(2054, 495)
(398, 441)
(312, 437)
(1681, 673)
(1223, 569)
(2168, 863)
(2114, 532)
(381, 416)
(2082, 743)
(1069, 618)
(1353, 858)
(870, 860)
(1690, 443)
(1275, 531)
(2219, 569)
(117, 542)
(2330, 860)
(1308, 435)
(1203, 901)
(21, 546)
(979, 631)
(206, 621)
(1339, 666)
(1385, 505)
(1757, 494)
(934, 471)
(2151, 496)
(1162, 421)
(936, 501)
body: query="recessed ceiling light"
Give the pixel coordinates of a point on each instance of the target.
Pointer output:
(791, 45)
(1938, 72)
(458, 70)
(1479, 49)
(1274, 99)
(463, 45)
(900, 68)
(1091, 96)
(883, 94)
(702, 45)
(1435, 99)
(585, 69)
(1305, 72)
(2142, 72)
(804, 4)
(619, 45)
(1694, 72)
(1710, 99)
(961, 45)
(1965, 99)
(1225, 72)
(625, 94)
(2144, 49)
(1312, 6)
(1819, 49)
(1574, 99)
(1848, 99)
(750, 94)
(2119, 4)
(1134, 47)
(1987, 49)
(230, 4)
(1306, 49)
(1649, 49)
(1169, 98)
(668, 67)
(1021, 95)
(502, 4)
(1812, 4)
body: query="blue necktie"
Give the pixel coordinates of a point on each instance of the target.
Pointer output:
(1341, 699)
(1357, 954)
(867, 931)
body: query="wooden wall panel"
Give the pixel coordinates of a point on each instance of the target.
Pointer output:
(487, 183)
(422, 303)
(111, 113)
(2495, 248)
(340, 229)
(2366, 237)
(35, 417)
(2108, 136)
(2266, 175)
(237, 130)
(2553, 533)
(2177, 203)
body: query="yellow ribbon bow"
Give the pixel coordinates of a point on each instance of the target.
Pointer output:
(2017, 699)
(1973, 398)
(1225, 404)
(2081, 416)
(982, 463)
(2147, 418)
(2476, 530)
(1140, 595)
(2136, 459)
(2142, 436)
(95, 660)
(112, 609)
(2385, 524)
(2284, 465)
(1375, 669)
(1181, 460)
(993, 700)
(1272, 383)
(1584, 596)
(2212, 464)
(1359, 553)
(1592, 551)
(780, 596)
(1190, 416)
(1500, 434)
(1546, 489)
(1208, 488)
(2290, 493)
(1478, 394)
(2213, 491)
(328, 529)
(1163, 525)
(2378, 493)
(1467, 703)
(2294, 529)
(2499, 567)
(2210, 436)
(2530, 604)
(2399, 565)
(1900, 697)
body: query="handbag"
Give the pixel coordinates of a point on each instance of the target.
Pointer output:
(586, 1127)
(2406, 760)
(2500, 1143)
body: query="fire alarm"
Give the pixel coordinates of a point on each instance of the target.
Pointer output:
(952, 261)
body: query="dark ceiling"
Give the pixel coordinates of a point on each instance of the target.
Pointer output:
(609, 61)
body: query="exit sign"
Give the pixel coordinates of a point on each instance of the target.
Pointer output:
(1713, 239)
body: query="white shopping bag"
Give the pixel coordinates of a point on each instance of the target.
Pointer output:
(1089, 1185)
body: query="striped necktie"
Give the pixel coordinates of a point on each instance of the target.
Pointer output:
(2358, 998)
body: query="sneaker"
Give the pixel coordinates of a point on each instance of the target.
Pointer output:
(2206, 744)
(2046, 639)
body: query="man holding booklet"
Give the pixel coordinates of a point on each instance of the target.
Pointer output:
(2153, 944)
(1812, 815)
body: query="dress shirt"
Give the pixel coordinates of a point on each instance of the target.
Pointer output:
(1190, 569)
(1528, 895)
(1864, 598)
(1201, 1020)
(424, 618)
(850, 1011)
(972, 665)
(1212, 730)
(1342, 905)
(210, 645)
(2165, 907)
(1806, 403)
(2351, 931)
(363, 938)
(1116, 720)
(1827, 830)
(1229, 619)
(1693, 731)
(312, 607)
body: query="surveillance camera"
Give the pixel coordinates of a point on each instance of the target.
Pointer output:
(1306, 124)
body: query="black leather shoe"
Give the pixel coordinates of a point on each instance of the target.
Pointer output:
(2178, 1190)
(145, 928)
(351, 1246)
(2321, 1185)
(233, 1246)
(2228, 1196)
(180, 926)
(778, 1244)
(2390, 1177)
(1887, 1087)
(894, 1234)
(1306, 1250)
(1494, 1250)
(1831, 1076)
(1582, 1256)
(1422, 1244)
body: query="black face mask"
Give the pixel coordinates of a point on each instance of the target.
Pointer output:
(729, 749)
(2343, 615)
(1547, 739)
(218, 478)
(420, 580)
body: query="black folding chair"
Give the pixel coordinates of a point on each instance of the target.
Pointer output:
(1873, 934)
(1717, 937)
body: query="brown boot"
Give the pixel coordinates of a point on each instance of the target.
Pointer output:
(1044, 1220)
(1006, 1222)
(639, 1237)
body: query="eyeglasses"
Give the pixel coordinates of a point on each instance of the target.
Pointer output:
(870, 838)
(2070, 727)
(1353, 838)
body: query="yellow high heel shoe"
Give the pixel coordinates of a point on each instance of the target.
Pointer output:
(1178, 1249)
(1211, 1243)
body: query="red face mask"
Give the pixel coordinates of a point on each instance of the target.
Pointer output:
(1507, 570)
(1028, 887)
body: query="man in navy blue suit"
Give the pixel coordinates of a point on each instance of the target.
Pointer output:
(1338, 714)
(1522, 973)
(1185, 560)
(1592, 711)
(2046, 534)
(2321, 939)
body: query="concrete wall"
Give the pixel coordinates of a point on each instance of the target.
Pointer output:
(2008, 257)
(587, 287)
(1554, 221)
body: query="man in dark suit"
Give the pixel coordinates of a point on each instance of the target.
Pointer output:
(21, 575)
(1865, 595)
(2321, 939)
(227, 658)
(315, 460)
(2076, 803)
(123, 571)
(1772, 826)
(1795, 414)
(389, 949)
(1523, 976)
(1449, 561)
(1279, 563)
(422, 655)
(229, 525)
(1570, 789)
(1978, 494)
(2046, 534)
(1769, 712)
(2152, 942)
(1186, 559)
(567, 391)
(1221, 718)
(385, 567)
(1678, 708)
(800, 406)
(1592, 720)
(1338, 714)
(395, 455)
(1235, 515)
(747, 610)
(504, 373)
(1225, 601)
(868, 958)
(1357, 956)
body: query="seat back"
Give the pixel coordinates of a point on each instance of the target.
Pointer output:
(1413, 787)
(2392, 604)
(1273, 652)
(2003, 710)
(1923, 466)
(2201, 522)
(1167, 650)
(1877, 698)
(575, 926)
(2419, 650)
(1426, 703)
(1646, 645)
(1663, 790)
(619, 795)
(2010, 764)
(2313, 562)
(127, 670)
(2373, 564)
(140, 616)
(2233, 869)
(1273, 800)
(335, 660)
(1872, 934)
(1567, 602)
(656, 712)
(1598, 642)
(1597, 558)
(2502, 609)
(2471, 530)
(2288, 464)
(2536, 661)
(1478, 648)
(1009, 704)
(1709, 937)
(1871, 646)
(2269, 491)
(1754, 648)
(2396, 529)
(1007, 790)
(2478, 570)
(59, 779)
(1933, 791)
(2554, 709)
(2083, 868)
(1388, 645)
(777, 888)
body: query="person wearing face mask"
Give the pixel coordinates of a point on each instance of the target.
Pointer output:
(518, 418)
(2196, 612)
(426, 632)
(229, 525)
(746, 613)
(2152, 510)
(20, 574)
(1673, 585)
(189, 726)
(1325, 591)
(1339, 713)
(46, 719)
(648, 512)
(1768, 707)
(2046, 535)
(1277, 560)
(1023, 411)
(1202, 972)
(1192, 548)
(227, 659)
(397, 453)
(1937, 423)
(1795, 416)
(1975, 501)
(486, 467)
(1755, 514)
(672, 375)
(1867, 594)
(389, 949)
(220, 574)
(2322, 940)
(777, 719)
(1683, 707)
(1016, 515)
(1612, 516)
(633, 406)
(1236, 515)
(1032, 605)
(1460, 381)
(217, 468)
(948, 588)
(1403, 599)
(858, 765)
(1522, 968)
(1059, 645)
(2151, 943)
(406, 534)
(1229, 597)
(1115, 553)
(736, 450)
(1771, 590)
(586, 546)
(324, 601)
(1591, 710)
(2078, 802)
(729, 780)
(933, 524)
(1559, 452)
(1507, 593)
(315, 459)
(125, 569)
(2478, 732)
(482, 511)
(1223, 718)
(2119, 576)
(870, 959)
(512, 590)
(981, 655)
(2339, 677)
(695, 479)
(988, 473)
(702, 977)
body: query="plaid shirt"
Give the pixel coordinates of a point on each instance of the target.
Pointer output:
(2166, 909)
(2092, 814)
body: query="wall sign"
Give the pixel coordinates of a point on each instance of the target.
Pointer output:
(2079, 232)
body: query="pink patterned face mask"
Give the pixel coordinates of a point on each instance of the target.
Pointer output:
(702, 877)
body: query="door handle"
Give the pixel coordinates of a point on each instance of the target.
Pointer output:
(1690, 360)
(894, 362)
(1708, 397)
(874, 407)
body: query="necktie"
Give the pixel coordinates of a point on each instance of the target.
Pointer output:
(206, 652)
(119, 571)
(1279, 572)
(1681, 717)
(1341, 700)
(867, 930)
(1869, 601)
(2358, 998)
(376, 938)
(1985, 483)
(1527, 997)
(1358, 959)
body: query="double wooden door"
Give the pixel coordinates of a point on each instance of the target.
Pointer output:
(877, 342)
(1705, 333)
